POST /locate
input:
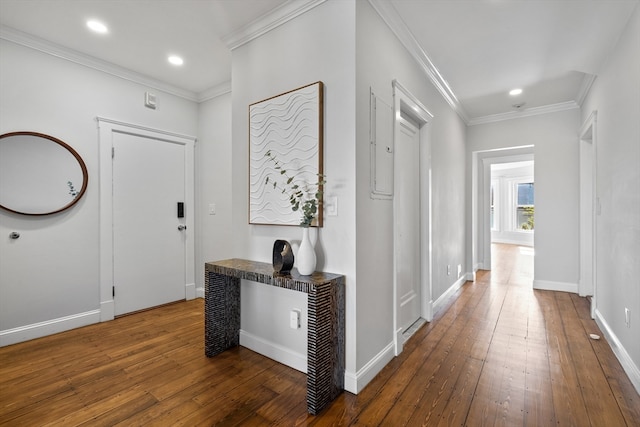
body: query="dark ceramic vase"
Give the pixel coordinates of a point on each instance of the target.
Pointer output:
(282, 257)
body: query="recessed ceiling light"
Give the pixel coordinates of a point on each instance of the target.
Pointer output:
(514, 92)
(97, 26)
(175, 60)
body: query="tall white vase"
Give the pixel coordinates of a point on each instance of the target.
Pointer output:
(306, 258)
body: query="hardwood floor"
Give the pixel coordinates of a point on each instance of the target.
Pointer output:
(499, 354)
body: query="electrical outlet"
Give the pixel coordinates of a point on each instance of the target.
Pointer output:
(294, 319)
(459, 269)
(448, 269)
(627, 317)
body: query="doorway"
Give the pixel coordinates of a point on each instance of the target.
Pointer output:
(412, 300)
(483, 225)
(146, 218)
(512, 203)
(512, 220)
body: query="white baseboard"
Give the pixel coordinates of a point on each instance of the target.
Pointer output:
(398, 342)
(355, 383)
(514, 241)
(428, 311)
(546, 285)
(632, 370)
(107, 310)
(190, 291)
(199, 292)
(274, 351)
(49, 327)
(447, 294)
(471, 276)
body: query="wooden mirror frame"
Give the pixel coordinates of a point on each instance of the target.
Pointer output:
(83, 167)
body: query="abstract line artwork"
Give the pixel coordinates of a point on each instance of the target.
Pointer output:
(289, 126)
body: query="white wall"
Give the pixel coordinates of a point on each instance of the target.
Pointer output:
(214, 176)
(555, 140)
(316, 46)
(380, 59)
(615, 96)
(52, 270)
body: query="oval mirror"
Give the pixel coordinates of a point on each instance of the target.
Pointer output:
(39, 174)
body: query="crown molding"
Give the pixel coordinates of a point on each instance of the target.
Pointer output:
(280, 15)
(45, 46)
(585, 87)
(535, 111)
(215, 92)
(393, 20)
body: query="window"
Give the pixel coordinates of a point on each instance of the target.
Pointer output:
(524, 206)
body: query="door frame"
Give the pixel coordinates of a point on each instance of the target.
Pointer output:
(405, 103)
(480, 198)
(106, 129)
(588, 209)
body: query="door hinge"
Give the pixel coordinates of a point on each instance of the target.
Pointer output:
(113, 152)
(113, 291)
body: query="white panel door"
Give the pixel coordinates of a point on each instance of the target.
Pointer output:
(149, 240)
(407, 222)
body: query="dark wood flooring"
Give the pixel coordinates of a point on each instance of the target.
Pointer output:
(499, 353)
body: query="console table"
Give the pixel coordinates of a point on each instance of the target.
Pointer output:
(325, 336)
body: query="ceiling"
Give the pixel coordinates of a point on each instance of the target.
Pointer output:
(477, 50)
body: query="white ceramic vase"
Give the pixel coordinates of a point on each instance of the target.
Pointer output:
(306, 258)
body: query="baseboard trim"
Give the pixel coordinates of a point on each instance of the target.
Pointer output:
(274, 351)
(631, 369)
(190, 291)
(354, 383)
(514, 241)
(547, 285)
(107, 310)
(398, 343)
(49, 327)
(199, 292)
(449, 292)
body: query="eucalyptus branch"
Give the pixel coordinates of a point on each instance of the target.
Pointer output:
(305, 197)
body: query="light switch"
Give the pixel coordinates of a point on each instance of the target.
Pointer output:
(212, 208)
(331, 204)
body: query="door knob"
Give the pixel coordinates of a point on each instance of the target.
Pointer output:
(182, 227)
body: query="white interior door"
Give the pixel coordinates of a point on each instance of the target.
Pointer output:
(149, 239)
(407, 222)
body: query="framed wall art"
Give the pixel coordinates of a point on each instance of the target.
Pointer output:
(285, 133)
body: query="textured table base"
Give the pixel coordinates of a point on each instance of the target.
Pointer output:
(325, 336)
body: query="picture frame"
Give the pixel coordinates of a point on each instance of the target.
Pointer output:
(289, 126)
